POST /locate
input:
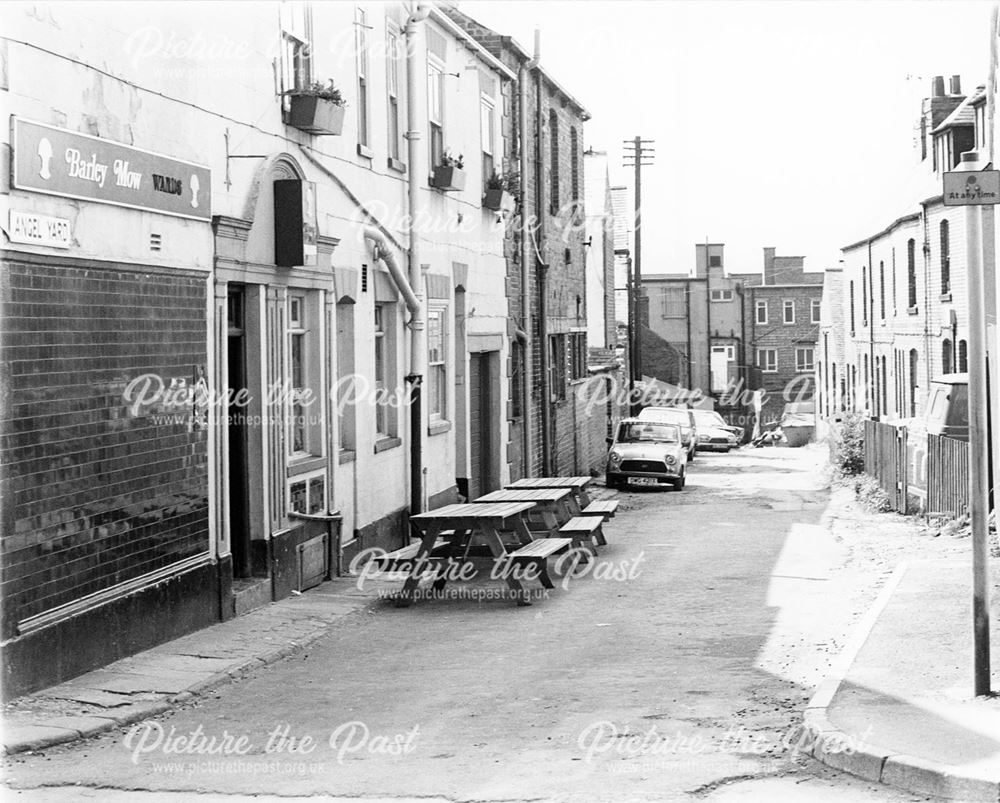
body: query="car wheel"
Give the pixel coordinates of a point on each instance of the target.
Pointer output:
(679, 483)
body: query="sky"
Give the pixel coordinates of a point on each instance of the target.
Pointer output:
(788, 124)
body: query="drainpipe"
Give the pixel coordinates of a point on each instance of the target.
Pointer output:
(527, 362)
(418, 333)
(543, 326)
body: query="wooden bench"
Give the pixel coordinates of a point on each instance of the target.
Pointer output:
(537, 552)
(583, 530)
(402, 560)
(606, 510)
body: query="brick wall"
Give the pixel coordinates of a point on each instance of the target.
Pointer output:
(93, 497)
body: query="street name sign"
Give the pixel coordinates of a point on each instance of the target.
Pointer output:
(972, 188)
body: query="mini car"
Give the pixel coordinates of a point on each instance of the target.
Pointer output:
(680, 416)
(646, 453)
(714, 434)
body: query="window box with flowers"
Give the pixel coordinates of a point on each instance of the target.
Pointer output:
(499, 193)
(317, 109)
(449, 176)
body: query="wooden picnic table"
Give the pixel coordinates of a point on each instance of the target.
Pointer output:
(576, 484)
(484, 521)
(553, 506)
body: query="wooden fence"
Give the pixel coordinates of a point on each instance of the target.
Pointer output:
(947, 475)
(886, 461)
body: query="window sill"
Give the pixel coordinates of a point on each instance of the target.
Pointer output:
(365, 152)
(395, 164)
(384, 444)
(304, 465)
(912, 311)
(347, 456)
(438, 427)
(946, 296)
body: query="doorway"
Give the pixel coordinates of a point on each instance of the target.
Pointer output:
(484, 423)
(236, 381)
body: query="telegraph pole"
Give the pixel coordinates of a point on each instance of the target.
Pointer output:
(638, 154)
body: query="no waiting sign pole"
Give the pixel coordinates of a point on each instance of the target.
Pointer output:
(974, 188)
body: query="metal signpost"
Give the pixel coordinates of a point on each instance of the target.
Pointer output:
(973, 188)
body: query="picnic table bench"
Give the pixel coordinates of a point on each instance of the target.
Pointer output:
(553, 507)
(578, 485)
(483, 522)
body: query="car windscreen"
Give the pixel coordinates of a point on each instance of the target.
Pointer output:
(709, 419)
(648, 431)
(666, 415)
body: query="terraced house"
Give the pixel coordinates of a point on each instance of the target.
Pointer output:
(225, 382)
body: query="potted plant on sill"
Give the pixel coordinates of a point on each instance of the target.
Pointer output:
(317, 109)
(499, 193)
(450, 174)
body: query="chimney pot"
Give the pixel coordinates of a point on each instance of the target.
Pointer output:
(956, 85)
(937, 85)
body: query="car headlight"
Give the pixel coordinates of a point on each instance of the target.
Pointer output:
(614, 458)
(670, 460)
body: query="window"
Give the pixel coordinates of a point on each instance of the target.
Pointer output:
(715, 261)
(788, 311)
(881, 288)
(914, 365)
(767, 360)
(804, 359)
(672, 302)
(385, 371)
(578, 355)
(392, 88)
(761, 312)
(307, 493)
(894, 296)
(437, 373)
(722, 295)
(815, 310)
(557, 366)
(487, 133)
(296, 55)
(435, 109)
(852, 307)
(945, 259)
(361, 55)
(864, 296)
(728, 350)
(346, 390)
(303, 365)
(946, 355)
(911, 274)
(963, 357)
(554, 161)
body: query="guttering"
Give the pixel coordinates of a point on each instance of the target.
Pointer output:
(416, 168)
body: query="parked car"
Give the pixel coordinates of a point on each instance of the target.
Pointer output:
(948, 406)
(680, 416)
(646, 452)
(714, 434)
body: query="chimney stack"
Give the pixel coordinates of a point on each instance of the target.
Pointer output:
(937, 90)
(956, 85)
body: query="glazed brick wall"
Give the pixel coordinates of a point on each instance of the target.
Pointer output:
(93, 497)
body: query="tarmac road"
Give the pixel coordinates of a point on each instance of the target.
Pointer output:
(677, 669)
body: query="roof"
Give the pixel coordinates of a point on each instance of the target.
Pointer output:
(522, 55)
(964, 114)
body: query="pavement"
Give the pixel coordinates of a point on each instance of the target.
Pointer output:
(905, 715)
(152, 682)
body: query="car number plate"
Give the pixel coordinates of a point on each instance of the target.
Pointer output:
(642, 481)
